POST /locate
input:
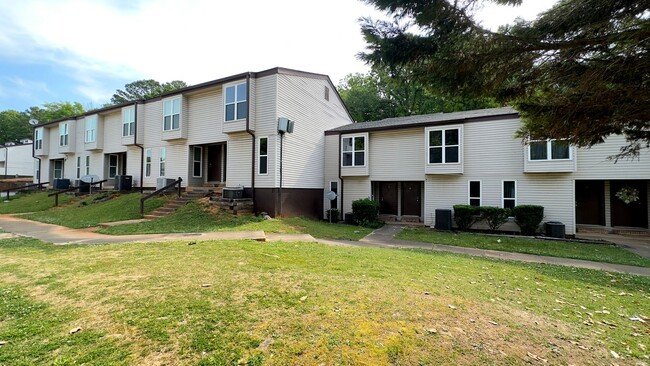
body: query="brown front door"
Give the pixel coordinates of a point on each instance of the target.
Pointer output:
(633, 214)
(214, 163)
(388, 198)
(411, 198)
(590, 202)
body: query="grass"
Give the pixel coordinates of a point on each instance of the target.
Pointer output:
(565, 249)
(194, 217)
(31, 202)
(242, 302)
(97, 208)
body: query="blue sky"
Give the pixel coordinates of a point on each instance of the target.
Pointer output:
(83, 50)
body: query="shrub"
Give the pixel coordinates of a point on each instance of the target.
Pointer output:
(494, 216)
(528, 217)
(365, 212)
(333, 214)
(465, 216)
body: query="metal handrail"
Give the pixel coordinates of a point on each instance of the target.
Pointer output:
(159, 191)
(39, 185)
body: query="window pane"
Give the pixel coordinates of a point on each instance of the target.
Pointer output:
(435, 155)
(230, 94)
(475, 202)
(241, 92)
(559, 150)
(176, 106)
(197, 169)
(538, 150)
(168, 108)
(508, 203)
(334, 187)
(125, 130)
(475, 189)
(230, 112)
(264, 146)
(451, 154)
(176, 121)
(241, 110)
(509, 189)
(451, 137)
(197, 153)
(167, 123)
(347, 144)
(359, 143)
(435, 138)
(263, 164)
(347, 159)
(359, 158)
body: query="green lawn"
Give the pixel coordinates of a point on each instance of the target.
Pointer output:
(193, 217)
(31, 202)
(92, 210)
(250, 303)
(565, 249)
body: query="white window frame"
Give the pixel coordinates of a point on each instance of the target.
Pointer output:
(549, 151)
(236, 102)
(38, 139)
(200, 161)
(128, 121)
(116, 166)
(260, 156)
(91, 129)
(78, 167)
(353, 151)
(61, 170)
(444, 145)
(172, 113)
(480, 192)
(63, 134)
(162, 160)
(147, 165)
(503, 198)
(87, 164)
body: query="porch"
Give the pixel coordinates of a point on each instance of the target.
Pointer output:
(399, 201)
(207, 165)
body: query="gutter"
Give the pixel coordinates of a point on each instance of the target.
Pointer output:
(250, 132)
(135, 142)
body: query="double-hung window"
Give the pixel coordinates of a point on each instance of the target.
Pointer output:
(549, 150)
(197, 161)
(509, 197)
(235, 102)
(38, 139)
(58, 168)
(63, 134)
(78, 167)
(474, 192)
(444, 146)
(263, 155)
(91, 129)
(112, 165)
(147, 165)
(163, 158)
(128, 121)
(172, 114)
(353, 151)
(87, 165)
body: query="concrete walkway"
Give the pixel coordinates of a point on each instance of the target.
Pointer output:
(636, 244)
(380, 238)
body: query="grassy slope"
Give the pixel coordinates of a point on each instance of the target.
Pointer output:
(564, 249)
(88, 213)
(306, 303)
(31, 202)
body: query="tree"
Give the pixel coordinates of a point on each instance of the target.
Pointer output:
(145, 89)
(53, 111)
(580, 71)
(14, 126)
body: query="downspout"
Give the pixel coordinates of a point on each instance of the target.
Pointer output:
(135, 142)
(250, 132)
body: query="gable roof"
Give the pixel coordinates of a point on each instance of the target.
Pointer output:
(424, 120)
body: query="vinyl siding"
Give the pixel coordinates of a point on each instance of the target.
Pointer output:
(239, 160)
(593, 163)
(205, 118)
(302, 99)
(355, 188)
(331, 165)
(20, 160)
(265, 114)
(112, 133)
(397, 155)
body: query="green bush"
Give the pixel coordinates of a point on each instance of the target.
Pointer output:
(465, 216)
(528, 217)
(494, 216)
(365, 212)
(333, 214)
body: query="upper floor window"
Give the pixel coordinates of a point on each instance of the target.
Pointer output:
(444, 146)
(236, 103)
(353, 151)
(38, 139)
(172, 114)
(128, 121)
(263, 155)
(549, 150)
(63, 134)
(91, 129)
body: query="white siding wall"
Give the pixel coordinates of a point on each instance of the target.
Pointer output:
(265, 115)
(397, 155)
(205, 118)
(331, 167)
(594, 164)
(20, 160)
(239, 160)
(355, 188)
(112, 132)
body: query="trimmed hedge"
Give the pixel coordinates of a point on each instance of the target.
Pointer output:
(494, 216)
(465, 216)
(365, 212)
(334, 214)
(528, 217)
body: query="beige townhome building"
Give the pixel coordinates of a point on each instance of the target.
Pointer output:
(417, 165)
(222, 132)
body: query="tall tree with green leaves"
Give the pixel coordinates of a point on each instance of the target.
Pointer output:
(580, 71)
(56, 110)
(14, 126)
(145, 89)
